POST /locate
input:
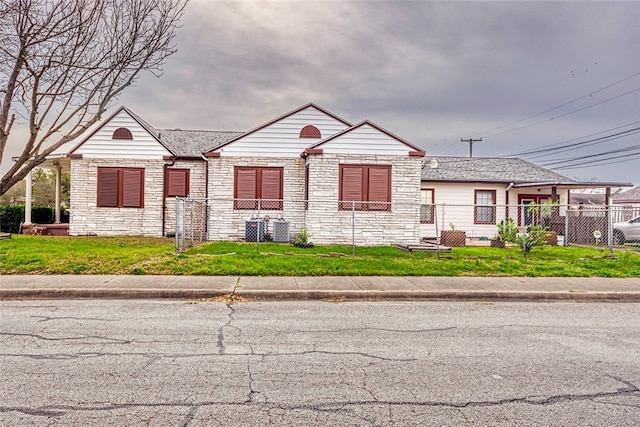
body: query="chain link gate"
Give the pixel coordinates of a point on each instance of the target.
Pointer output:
(191, 222)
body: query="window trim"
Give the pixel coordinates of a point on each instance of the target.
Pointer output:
(366, 204)
(120, 178)
(433, 205)
(476, 206)
(122, 133)
(310, 131)
(170, 171)
(252, 204)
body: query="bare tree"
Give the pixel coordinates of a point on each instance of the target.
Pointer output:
(62, 62)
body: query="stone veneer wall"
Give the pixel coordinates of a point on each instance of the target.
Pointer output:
(88, 219)
(324, 221)
(225, 223)
(328, 225)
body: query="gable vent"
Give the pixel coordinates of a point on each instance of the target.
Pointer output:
(310, 131)
(122, 133)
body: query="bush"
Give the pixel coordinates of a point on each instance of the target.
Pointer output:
(12, 216)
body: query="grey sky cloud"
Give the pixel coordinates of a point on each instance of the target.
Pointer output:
(431, 72)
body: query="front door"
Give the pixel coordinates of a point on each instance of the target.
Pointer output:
(527, 214)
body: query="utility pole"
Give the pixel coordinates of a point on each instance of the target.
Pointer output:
(470, 141)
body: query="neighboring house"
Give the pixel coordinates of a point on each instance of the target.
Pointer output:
(475, 194)
(626, 204)
(629, 197)
(577, 199)
(126, 174)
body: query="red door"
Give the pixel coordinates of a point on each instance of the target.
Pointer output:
(530, 216)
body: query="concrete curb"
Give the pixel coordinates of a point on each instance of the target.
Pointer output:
(338, 295)
(110, 293)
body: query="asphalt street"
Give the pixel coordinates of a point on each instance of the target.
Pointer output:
(197, 363)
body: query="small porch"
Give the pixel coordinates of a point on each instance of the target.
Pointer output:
(59, 163)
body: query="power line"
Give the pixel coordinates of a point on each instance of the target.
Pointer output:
(559, 106)
(588, 156)
(575, 139)
(629, 157)
(582, 143)
(567, 114)
(584, 146)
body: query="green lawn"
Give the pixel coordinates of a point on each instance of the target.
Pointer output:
(137, 255)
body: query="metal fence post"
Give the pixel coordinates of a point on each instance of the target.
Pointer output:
(258, 229)
(566, 226)
(192, 202)
(353, 229)
(435, 221)
(610, 225)
(177, 227)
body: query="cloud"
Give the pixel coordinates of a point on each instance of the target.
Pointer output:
(432, 72)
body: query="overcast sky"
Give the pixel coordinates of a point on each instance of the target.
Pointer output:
(430, 72)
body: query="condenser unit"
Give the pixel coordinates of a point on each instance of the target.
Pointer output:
(254, 231)
(281, 231)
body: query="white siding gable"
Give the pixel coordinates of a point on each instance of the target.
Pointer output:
(101, 144)
(365, 139)
(282, 138)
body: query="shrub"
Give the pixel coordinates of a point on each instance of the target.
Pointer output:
(12, 216)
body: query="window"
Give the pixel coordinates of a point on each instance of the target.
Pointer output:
(252, 183)
(310, 131)
(485, 207)
(176, 182)
(122, 133)
(120, 187)
(426, 206)
(364, 183)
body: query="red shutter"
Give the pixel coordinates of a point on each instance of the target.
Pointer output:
(271, 188)
(379, 187)
(107, 187)
(132, 188)
(245, 188)
(351, 186)
(176, 182)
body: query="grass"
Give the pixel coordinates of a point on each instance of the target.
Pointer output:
(138, 255)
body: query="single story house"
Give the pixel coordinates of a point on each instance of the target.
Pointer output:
(629, 197)
(474, 194)
(308, 166)
(627, 204)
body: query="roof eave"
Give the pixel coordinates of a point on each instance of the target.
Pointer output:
(572, 184)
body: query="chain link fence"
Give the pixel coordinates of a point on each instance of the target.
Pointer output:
(593, 225)
(377, 223)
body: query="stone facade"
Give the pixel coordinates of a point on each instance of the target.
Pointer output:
(89, 219)
(227, 223)
(329, 225)
(321, 216)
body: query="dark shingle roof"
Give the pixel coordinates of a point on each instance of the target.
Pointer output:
(192, 143)
(629, 196)
(187, 143)
(488, 169)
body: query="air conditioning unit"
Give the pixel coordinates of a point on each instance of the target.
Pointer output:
(254, 231)
(281, 231)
